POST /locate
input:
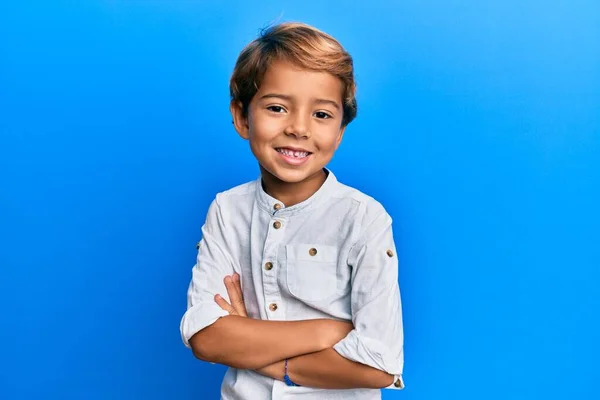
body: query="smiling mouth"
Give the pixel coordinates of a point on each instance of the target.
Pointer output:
(293, 153)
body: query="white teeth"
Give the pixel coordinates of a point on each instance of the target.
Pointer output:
(290, 153)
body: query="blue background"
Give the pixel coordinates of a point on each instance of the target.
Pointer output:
(478, 129)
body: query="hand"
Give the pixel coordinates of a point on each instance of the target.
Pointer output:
(234, 291)
(238, 307)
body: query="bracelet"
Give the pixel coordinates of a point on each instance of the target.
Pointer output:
(286, 377)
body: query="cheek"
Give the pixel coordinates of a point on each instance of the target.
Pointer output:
(329, 144)
(263, 128)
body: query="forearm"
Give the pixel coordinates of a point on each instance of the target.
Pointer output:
(251, 344)
(327, 369)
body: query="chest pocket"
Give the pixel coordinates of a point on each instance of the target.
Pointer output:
(311, 271)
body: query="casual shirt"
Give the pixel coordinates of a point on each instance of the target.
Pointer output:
(331, 256)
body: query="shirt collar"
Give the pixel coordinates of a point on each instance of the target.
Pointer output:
(268, 203)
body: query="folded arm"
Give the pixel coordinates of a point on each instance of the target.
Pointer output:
(319, 369)
(248, 343)
(326, 369)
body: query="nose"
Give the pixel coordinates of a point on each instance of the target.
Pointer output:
(298, 126)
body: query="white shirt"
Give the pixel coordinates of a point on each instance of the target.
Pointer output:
(330, 256)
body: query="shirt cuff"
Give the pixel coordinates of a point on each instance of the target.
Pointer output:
(373, 353)
(398, 383)
(197, 318)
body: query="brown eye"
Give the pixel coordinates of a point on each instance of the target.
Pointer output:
(276, 109)
(322, 115)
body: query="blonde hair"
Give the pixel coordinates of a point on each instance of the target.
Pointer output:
(302, 45)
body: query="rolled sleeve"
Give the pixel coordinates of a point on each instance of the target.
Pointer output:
(213, 263)
(377, 339)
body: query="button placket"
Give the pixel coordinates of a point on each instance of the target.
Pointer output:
(272, 296)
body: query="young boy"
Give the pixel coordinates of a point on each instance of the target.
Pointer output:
(295, 287)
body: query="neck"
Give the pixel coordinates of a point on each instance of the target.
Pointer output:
(292, 193)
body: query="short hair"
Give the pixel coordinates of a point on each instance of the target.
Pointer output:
(302, 45)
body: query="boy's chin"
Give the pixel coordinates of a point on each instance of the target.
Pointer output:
(290, 176)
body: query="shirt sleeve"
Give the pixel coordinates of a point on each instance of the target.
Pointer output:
(213, 263)
(377, 339)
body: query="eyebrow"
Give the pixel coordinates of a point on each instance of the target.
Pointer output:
(290, 98)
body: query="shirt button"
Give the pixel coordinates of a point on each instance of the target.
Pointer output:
(390, 253)
(276, 224)
(273, 307)
(312, 252)
(269, 266)
(398, 383)
(277, 206)
(198, 246)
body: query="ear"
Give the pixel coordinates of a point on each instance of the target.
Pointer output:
(338, 140)
(240, 121)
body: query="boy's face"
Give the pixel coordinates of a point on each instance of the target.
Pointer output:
(294, 121)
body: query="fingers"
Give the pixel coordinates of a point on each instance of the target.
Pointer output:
(234, 290)
(221, 302)
(241, 309)
(238, 286)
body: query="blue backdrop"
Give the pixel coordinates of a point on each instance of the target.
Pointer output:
(478, 129)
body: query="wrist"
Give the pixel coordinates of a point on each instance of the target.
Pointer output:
(275, 370)
(286, 377)
(332, 331)
(324, 337)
